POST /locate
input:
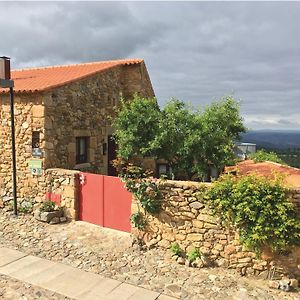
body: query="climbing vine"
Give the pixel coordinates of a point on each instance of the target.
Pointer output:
(259, 208)
(144, 187)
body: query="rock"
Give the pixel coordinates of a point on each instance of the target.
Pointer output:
(188, 263)
(294, 283)
(194, 264)
(199, 262)
(285, 285)
(63, 219)
(212, 277)
(7, 198)
(48, 216)
(181, 260)
(55, 220)
(196, 205)
(224, 263)
(37, 214)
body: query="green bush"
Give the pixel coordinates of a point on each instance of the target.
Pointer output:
(47, 206)
(25, 207)
(259, 208)
(262, 155)
(193, 254)
(138, 221)
(175, 248)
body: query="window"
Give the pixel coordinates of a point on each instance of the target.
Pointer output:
(81, 149)
(163, 169)
(35, 139)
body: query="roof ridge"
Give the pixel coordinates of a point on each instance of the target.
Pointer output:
(121, 61)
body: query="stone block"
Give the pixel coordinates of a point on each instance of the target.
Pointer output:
(48, 216)
(196, 205)
(273, 284)
(195, 237)
(207, 218)
(197, 223)
(69, 192)
(294, 283)
(38, 111)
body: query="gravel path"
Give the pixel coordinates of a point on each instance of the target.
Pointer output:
(110, 253)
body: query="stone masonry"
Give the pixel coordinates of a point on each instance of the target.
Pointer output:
(83, 107)
(186, 219)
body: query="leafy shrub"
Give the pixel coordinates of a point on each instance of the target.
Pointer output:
(47, 206)
(143, 187)
(258, 207)
(262, 155)
(138, 221)
(175, 248)
(193, 254)
(25, 207)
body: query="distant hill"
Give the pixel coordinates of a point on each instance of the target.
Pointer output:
(270, 139)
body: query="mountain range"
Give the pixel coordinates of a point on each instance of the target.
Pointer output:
(273, 139)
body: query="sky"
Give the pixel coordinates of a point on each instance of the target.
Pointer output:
(197, 52)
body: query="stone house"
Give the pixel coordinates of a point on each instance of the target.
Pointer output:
(62, 118)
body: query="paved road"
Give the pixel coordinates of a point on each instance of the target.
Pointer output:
(69, 281)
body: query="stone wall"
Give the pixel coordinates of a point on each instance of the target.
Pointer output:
(85, 108)
(81, 108)
(62, 187)
(28, 118)
(186, 219)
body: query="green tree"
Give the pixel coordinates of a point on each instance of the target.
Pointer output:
(262, 155)
(136, 126)
(190, 140)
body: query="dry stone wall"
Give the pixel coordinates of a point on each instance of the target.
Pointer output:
(28, 118)
(62, 187)
(185, 219)
(82, 108)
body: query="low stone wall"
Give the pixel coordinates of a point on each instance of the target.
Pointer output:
(61, 186)
(58, 185)
(186, 219)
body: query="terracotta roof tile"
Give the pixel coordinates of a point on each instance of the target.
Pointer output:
(267, 169)
(46, 78)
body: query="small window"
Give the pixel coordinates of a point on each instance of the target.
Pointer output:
(81, 150)
(35, 139)
(163, 169)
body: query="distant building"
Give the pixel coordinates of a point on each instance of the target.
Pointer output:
(242, 150)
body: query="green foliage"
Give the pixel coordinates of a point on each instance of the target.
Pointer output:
(138, 221)
(175, 248)
(190, 140)
(136, 125)
(143, 187)
(193, 254)
(258, 207)
(25, 207)
(10, 205)
(47, 206)
(145, 190)
(262, 155)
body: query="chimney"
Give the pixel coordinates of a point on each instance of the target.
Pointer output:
(4, 68)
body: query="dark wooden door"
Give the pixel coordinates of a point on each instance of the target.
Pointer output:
(112, 154)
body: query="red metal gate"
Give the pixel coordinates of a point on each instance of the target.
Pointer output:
(104, 201)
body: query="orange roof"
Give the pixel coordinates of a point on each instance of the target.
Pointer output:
(46, 78)
(267, 169)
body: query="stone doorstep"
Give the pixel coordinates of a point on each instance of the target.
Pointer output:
(69, 281)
